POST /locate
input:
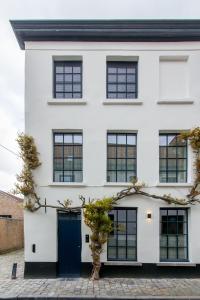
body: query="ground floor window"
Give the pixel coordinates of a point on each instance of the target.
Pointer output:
(122, 242)
(173, 234)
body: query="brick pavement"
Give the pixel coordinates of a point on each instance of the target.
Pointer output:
(107, 287)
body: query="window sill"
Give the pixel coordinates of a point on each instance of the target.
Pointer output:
(67, 184)
(123, 263)
(175, 264)
(66, 102)
(174, 184)
(176, 101)
(122, 102)
(126, 184)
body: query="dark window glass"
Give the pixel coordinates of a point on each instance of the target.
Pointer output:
(173, 234)
(122, 80)
(67, 157)
(68, 79)
(121, 157)
(122, 241)
(173, 158)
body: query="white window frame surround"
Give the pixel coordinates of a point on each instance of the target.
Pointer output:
(185, 100)
(67, 101)
(122, 58)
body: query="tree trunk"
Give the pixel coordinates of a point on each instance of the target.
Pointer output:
(96, 266)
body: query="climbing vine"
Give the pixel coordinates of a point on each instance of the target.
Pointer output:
(95, 212)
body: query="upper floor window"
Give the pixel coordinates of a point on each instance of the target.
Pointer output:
(173, 158)
(121, 157)
(122, 80)
(68, 79)
(67, 157)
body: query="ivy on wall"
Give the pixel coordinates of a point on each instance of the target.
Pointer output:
(95, 212)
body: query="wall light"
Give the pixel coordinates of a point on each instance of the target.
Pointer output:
(149, 216)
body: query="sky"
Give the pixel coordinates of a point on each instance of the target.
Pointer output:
(12, 58)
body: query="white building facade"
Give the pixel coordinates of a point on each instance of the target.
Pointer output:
(105, 102)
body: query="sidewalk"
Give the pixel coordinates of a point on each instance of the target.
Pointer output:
(110, 288)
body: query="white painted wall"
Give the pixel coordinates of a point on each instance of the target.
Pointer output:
(95, 118)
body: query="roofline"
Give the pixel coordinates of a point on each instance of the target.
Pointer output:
(160, 30)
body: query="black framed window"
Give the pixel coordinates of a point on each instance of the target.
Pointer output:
(122, 80)
(67, 79)
(121, 157)
(173, 158)
(68, 157)
(122, 241)
(173, 234)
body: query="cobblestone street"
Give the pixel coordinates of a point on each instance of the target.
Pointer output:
(107, 287)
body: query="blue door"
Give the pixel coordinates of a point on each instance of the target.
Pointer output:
(69, 244)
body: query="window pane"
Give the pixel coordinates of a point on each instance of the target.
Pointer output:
(121, 139)
(130, 176)
(131, 88)
(172, 254)
(131, 215)
(182, 240)
(131, 164)
(121, 88)
(112, 241)
(68, 139)
(112, 70)
(58, 176)
(77, 151)
(122, 253)
(131, 152)
(59, 78)
(121, 78)
(163, 152)
(112, 139)
(163, 241)
(181, 152)
(78, 164)
(131, 228)
(171, 140)
(78, 176)
(112, 78)
(68, 88)
(163, 253)
(131, 240)
(121, 176)
(121, 240)
(76, 78)
(112, 152)
(162, 140)
(68, 164)
(131, 253)
(182, 253)
(121, 152)
(112, 88)
(171, 176)
(68, 151)
(172, 152)
(182, 176)
(111, 176)
(122, 215)
(112, 253)
(163, 164)
(121, 164)
(58, 138)
(58, 151)
(131, 140)
(68, 78)
(171, 164)
(182, 164)
(78, 139)
(58, 164)
(131, 78)
(172, 241)
(68, 69)
(163, 177)
(112, 164)
(121, 70)
(59, 88)
(59, 69)
(76, 88)
(68, 176)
